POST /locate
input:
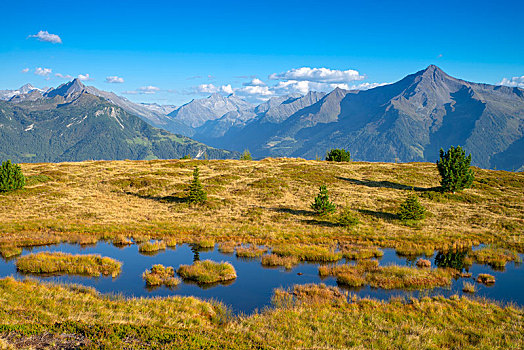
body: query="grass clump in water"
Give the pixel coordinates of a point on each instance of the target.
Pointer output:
(10, 252)
(251, 251)
(468, 287)
(62, 263)
(275, 260)
(151, 247)
(308, 252)
(485, 278)
(227, 247)
(121, 240)
(205, 243)
(356, 253)
(161, 275)
(387, 277)
(207, 272)
(494, 257)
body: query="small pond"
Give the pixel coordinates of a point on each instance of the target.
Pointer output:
(253, 288)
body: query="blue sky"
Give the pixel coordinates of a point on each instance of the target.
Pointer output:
(173, 51)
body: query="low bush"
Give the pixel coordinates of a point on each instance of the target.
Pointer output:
(338, 155)
(411, 209)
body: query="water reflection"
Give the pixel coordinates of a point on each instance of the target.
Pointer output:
(254, 285)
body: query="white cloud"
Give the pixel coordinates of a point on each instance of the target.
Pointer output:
(63, 76)
(212, 89)
(513, 82)
(321, 75)
(43, 72)
(366, 86)
(25, 70)
(144, 90)
(43, 35)
(114, 79)
(85, 77)
(255, 82)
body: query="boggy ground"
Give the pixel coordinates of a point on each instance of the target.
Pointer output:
(42, 315)
(263, 202)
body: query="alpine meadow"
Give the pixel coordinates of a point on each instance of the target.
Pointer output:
(262, 175)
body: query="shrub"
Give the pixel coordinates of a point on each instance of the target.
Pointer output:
(187, 156)
(411, 209)
(11, 177)
(346, 218)
(246, 155)
(322, 205)
(197, 194)
(454, 168)
(338, 155)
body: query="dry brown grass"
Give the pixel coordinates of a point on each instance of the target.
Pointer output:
(263, 202)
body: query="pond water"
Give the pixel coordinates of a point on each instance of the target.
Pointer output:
(253, 288)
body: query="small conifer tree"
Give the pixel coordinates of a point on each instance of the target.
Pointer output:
(246, 155)
(11, 177)
(411, 209)
(338, 155)
(454, 168)
(197, 195)
(321, 204)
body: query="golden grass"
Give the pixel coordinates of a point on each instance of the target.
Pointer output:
(151, 247)
(10, 252)
(304, 317)
(207, 271)
(468, 287)
(161, 275)
(275, 260)
(495, 257)
(485, 278)
(48, 303)
(355, 253)
(251, 251)
(307, 252)
(388, 277)
(266, 202)
(62, 263)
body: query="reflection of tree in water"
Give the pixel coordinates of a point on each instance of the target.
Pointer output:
(196, 252)
(453, 259)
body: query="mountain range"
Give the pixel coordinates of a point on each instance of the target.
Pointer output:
(74, 122)
(409, 120)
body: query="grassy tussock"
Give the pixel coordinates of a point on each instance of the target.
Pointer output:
(161, 275)
(308, 252)
(355, 253)
(171, 243)
(151, 247)
(485, 278)
(273, 260)
(121, 240)
(205, 243)
(207, 272)
(227, 247)
(468, 287)
(251, 251)
(62, 263)
(388, 277)
(495, 257)
(10, 252)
